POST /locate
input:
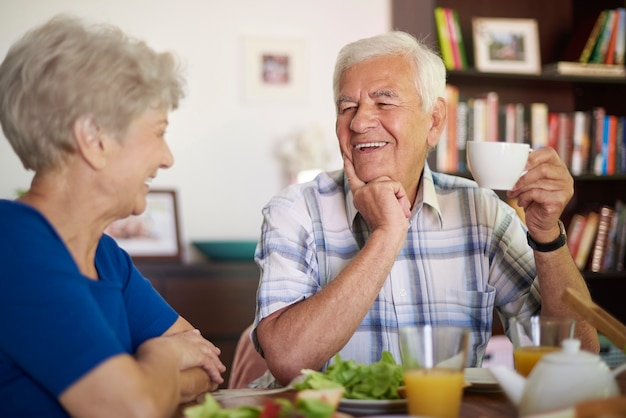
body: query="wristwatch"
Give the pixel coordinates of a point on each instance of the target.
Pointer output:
(547, 247)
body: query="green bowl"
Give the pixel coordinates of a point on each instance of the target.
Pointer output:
(228, 250)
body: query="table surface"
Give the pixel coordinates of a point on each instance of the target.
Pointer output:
(475, 404)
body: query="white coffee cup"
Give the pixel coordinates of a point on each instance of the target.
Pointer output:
(496, 165)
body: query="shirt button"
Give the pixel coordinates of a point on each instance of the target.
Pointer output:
(403, 292)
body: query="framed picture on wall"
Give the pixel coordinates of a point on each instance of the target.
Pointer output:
(275, 70)
(506, 45)
(153, 235)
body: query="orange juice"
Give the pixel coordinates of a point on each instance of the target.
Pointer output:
(525, 358)
(434, 392)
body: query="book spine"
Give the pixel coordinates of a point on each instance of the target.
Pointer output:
(452, 35)
(612, 239)
(493, 103)
(611, 146)
(580, 139)
(509, 122)
(599, 52)
(610, 49)
(593, 37)
(444, 38)
(620, 42)
(565, 141)
(586, 242)
(599, 247)
(539, 125)
(553, 130)
(522, 128)
(460, 41)
(479, 113)
(597, 133)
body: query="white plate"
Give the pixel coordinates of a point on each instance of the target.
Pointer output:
(371, 407)
(481, 380)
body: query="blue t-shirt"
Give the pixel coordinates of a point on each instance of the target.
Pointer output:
(56, 324)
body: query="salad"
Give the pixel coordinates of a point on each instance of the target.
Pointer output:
(379, 380)
(308, 404)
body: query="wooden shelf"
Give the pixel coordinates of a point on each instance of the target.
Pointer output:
(557, 22)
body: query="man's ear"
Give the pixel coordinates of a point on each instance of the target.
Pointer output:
(90, 141)
(439, 119)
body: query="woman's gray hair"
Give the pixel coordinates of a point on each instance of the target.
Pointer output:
(65, 70)
(430, 72)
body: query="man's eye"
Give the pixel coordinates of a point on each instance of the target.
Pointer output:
(345, 109)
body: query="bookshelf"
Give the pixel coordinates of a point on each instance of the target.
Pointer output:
(558, 21)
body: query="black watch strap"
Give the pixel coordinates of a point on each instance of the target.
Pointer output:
(547, 247)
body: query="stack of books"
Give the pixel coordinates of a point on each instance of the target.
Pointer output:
(589, 142)
(451, 43)
(604, 49)
(597, 239)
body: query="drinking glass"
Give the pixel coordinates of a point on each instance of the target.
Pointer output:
(433, 359)
(535, 336)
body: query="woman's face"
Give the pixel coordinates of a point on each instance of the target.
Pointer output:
(139, 154)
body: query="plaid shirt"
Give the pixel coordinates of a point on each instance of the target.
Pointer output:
(465, 253)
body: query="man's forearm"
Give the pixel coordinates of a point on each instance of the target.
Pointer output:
(309, 333)
(557, 271)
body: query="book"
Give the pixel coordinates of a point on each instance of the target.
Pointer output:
(459, 40)
(597, 134)
(452, 35)
(609, 138)
(599, 51)
(610, 49)
(538, 125)
(600, 243)
(478, 106)
(610, 254)
(593, 37)
(585, 69)
(509, 123)
(522, 124)
(565, 140)
(443, 33)
(578, 38)
(620, 43)
(581, 143)
(575, 231)
(553, 130)
(587, 240)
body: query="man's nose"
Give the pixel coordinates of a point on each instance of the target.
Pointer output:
(364, 119)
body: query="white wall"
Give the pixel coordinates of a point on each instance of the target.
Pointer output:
(225, 169)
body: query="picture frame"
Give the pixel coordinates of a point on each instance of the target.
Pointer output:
(154, 234)
(506, 45)
(275, 70)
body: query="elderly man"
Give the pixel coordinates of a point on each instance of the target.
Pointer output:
(352, 256)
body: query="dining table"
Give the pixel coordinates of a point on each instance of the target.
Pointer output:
(474, 404)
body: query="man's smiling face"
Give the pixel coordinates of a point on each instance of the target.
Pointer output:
(380, 124)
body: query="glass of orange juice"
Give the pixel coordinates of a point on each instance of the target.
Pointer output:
(433, 359)
(535, 336)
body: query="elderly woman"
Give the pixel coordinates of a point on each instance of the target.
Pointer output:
(83, 333)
